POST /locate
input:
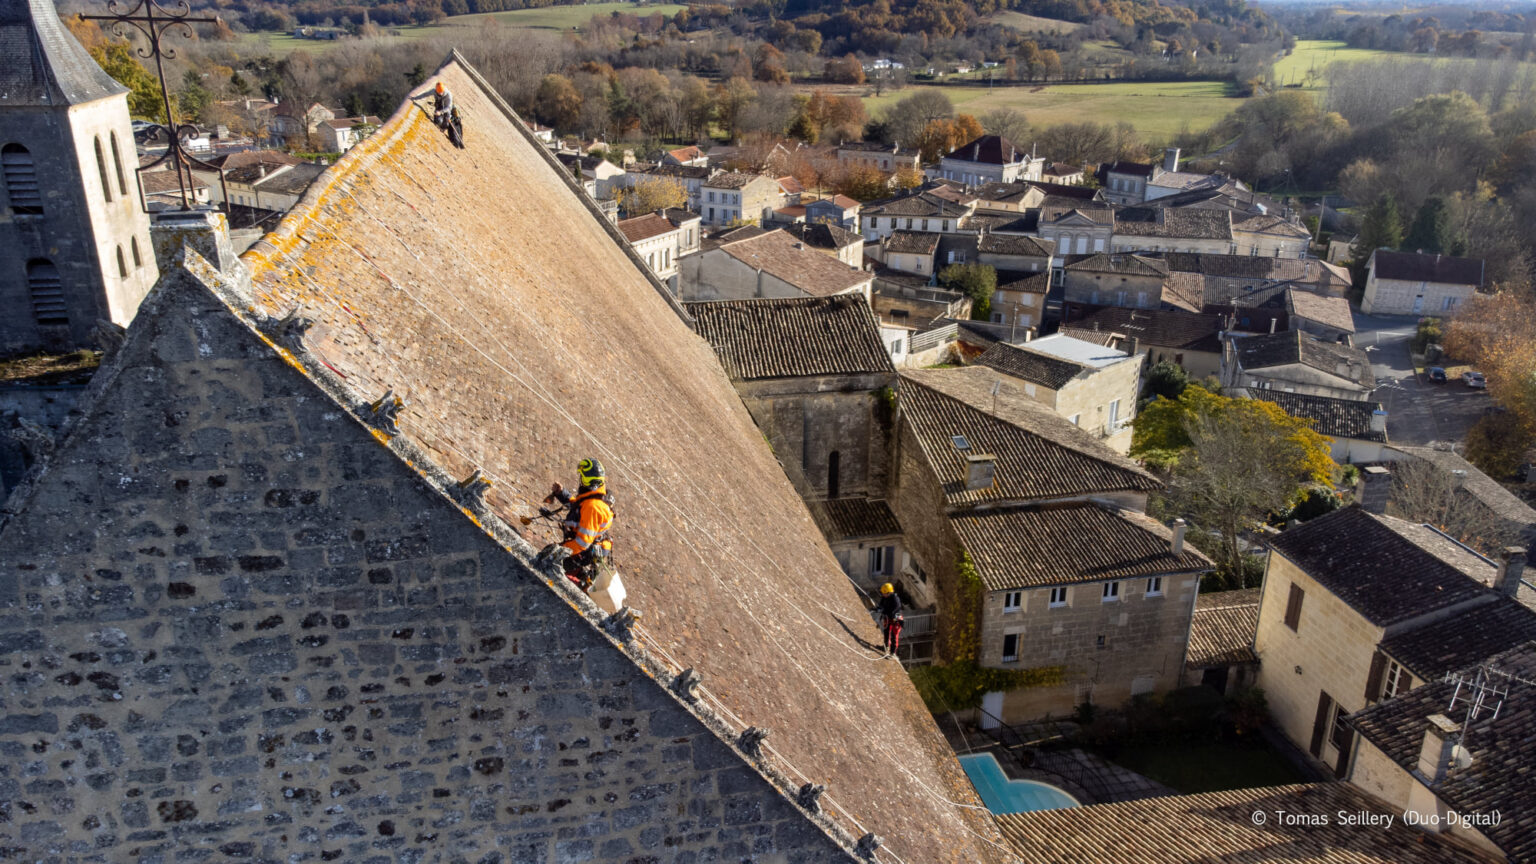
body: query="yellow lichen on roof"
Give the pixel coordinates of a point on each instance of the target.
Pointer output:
(483, 288)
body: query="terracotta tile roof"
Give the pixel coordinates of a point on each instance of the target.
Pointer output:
(1413, 267)
(683, 154)
(1384, 568)
(1218, 828)
(778, 253)
(844, 202)
(1336, 418)
(1281, 349)
(912, 242)
(645, 227)
(1184, 291)
(1032, 366)
(1223, 627)
(988, 150)
(1124, 263)
(515, 353)
(788, 338)
(1503, 750)
(1064, 544)
(1331, 312)
(1161, 327)
(1174, 223)
(1463, 639)
(1039, 453)
(1014, 244)
(849, 518)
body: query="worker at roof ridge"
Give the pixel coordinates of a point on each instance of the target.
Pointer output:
(442, 104)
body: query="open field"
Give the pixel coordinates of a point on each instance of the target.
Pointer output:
(1032, 23)
(545, 18)
(1318, 55)
(1157, 109)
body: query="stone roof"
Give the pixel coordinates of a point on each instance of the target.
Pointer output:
(1268, 223)
(1184, 291)
(1222, 629)
(1138, 169)
(1014, 244)
(792, 337)
(1029, 283)
(1336, 418)
(1187, 180)
(824, 235)
(1028, 547)
(1414, 267)
(1463, 639)
(1169, 328)
(1057, 209)
(1488, 491)
(780, 254)
(1035, 367)
(988, 150)
(732, 180)
(41, 63)
(1006, 192)
(520, 356)
(1219, 827)
(1039, 453)
(840, 201)
(1503, 749)
(292, 181)
(1331, 312)
(1282, 349)
(912, 242)
(159, 182)
(923, 204)
(1174, 223)
(1384, 568)
(850, 518)
(1123, 263)
(645, 227)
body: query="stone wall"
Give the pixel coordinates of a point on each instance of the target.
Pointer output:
(1088, 398)
(1398, 297)
(236, 626)
(808, 419)
(918, 503)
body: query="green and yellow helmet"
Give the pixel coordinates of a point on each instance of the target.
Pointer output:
(591, 473)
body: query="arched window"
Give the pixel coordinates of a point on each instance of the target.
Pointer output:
(101, 169)
(47, 293)
(834, 473)
(122, 263)
(138, 261)
(117, 163)
(21, 180)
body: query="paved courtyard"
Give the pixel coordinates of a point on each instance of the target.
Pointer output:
(1418, 412)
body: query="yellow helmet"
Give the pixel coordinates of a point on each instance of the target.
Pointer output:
(887, 588)
(591, 473)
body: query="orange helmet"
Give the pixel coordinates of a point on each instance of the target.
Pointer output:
(439, 86)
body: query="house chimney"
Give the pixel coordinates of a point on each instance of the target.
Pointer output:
(1177, 546)
(1272, 321)
(1511, 568)
(1438, 755)
(1379, 422)
(1135, 346)
(979, 469)
(1373, 489)
(1171, 159)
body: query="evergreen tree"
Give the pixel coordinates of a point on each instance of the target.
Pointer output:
(1431, 231)
(1382, 228)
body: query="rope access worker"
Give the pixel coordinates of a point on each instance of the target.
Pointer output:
(586, 547)
(891, 620)
(442, 106)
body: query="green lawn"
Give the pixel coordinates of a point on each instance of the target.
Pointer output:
(1193, 768)
(1157, 109)
(545, 18)
(1032, 23)
(1318, 55)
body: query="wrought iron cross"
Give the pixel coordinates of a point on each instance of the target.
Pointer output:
(153, 20)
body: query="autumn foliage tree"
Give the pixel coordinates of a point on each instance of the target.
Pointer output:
(652, 194)
(1497, 334)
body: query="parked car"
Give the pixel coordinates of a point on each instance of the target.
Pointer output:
(1436, 375)
(1474, 380)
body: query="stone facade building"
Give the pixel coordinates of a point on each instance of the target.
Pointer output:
(1296, 362)
(1094, 387)
(270, 603)
(989, 159)
(1112, 279)
(766, 265)
(1407, 283)
(74, 239)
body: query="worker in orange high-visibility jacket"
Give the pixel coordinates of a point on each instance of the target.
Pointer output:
(587, 523)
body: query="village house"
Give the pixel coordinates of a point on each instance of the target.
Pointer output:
(1126, 182)
(274, 188)
(908, 252)
(1076, 226)
(839, 210)
(909, 301)
(338, 134)
(1092, 386)
(292, 123)
(599, 177)
(690, 156)
(1014, 253)
(1360, 606)
(1111, 279)
(989, 159)
(1356, 427)
(1459, 746)
(1015, 197)
(1074, 576)
(733, 198)
(1298, 363)
(270, 160)
(1229, 276)
(691, 177)
(1063, 174)
(1020, 302)
(162, 189)
(888, 158)
(766, 265)
(1189, 340)
(1269, 235)
(830, 239)
(1409, 283)
(1167, 229)
(1220, 654)
(662, 238)
(544, 134)
(924, 211)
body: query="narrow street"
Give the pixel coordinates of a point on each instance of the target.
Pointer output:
(1418, 412)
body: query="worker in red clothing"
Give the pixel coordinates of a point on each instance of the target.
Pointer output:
(586, 548)
(890, 618)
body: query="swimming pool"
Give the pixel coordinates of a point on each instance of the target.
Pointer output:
(1002, 795)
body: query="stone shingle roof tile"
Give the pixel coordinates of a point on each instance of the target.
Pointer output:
(1282, 349)
(1222, 629)
(1463, 639)
(1035, 367)
(1336, 418)
(780, 254)
(791, 337)
(1161, 327)
(848, 518)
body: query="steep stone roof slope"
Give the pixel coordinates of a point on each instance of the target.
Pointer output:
(42, 64)
(519, 356)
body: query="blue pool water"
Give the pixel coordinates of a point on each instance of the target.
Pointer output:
(1002, 795)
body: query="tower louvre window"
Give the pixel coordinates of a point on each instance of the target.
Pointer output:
(101, 169)
(21, 180)
(47, 290)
